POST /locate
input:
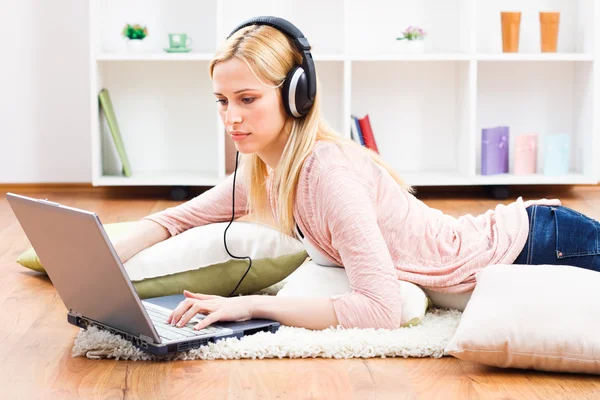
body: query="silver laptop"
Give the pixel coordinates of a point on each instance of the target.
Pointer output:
(95, 288)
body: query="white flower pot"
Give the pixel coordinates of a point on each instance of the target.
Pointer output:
(136, 45)
(410, 46)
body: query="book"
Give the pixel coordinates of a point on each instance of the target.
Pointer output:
(367, 133)
(109, 112)
(355, 131)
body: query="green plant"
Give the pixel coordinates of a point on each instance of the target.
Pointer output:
(135, 31)
(412, 33)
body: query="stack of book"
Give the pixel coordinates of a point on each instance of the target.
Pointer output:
(362, 133)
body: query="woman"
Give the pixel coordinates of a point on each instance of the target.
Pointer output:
(345, 202)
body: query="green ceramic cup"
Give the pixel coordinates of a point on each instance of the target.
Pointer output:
(179, 40)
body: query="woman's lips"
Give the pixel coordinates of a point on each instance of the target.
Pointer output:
(239, 136)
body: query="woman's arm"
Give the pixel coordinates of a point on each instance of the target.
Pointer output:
(304, 312)
(214, 205)
(145, 233)
(345, 202)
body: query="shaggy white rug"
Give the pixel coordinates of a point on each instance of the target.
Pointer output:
(428, 339)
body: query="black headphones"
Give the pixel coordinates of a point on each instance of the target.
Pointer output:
(299, 90)
(300, 86)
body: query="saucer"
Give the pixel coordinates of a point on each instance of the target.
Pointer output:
(178, 50)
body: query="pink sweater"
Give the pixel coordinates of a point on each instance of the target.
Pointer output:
(358, 216)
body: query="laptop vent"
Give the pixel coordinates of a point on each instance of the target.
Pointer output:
(192, 345)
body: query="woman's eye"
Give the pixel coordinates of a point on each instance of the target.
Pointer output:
(245, 100)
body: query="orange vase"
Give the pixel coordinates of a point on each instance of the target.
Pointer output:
(511, 24)
(549, 31)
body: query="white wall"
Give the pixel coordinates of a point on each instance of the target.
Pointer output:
(44, 106)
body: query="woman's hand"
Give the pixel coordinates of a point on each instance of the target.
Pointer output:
(216, 308)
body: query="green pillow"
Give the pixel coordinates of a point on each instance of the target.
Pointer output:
(196, 260)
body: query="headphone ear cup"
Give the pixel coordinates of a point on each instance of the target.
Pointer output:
(295, 93)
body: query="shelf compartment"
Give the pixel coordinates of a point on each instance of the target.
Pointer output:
(167, 121)
(575, 29)
(324, 28)
(161, 17)
(542, 98)
(419, 112)
(373, 29)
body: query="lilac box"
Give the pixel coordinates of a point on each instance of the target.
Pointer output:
(494, 150)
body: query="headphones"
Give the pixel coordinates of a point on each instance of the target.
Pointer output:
(299, 90)
(300, 85)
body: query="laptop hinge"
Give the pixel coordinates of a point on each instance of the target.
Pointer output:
(76, 314)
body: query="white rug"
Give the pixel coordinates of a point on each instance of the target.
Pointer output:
(428, 339)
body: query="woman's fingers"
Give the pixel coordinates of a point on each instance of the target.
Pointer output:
(189, 314)
(209, 319)
(181, 309)
(198, 296)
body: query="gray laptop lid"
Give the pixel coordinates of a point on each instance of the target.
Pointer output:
(82, 264)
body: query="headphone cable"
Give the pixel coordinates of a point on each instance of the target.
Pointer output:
(230, 222)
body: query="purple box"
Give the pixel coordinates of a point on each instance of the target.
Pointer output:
(494, 150)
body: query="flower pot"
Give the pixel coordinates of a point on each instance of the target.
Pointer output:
(549, 31)
(411, 46)
(511, 24)
(135, 45)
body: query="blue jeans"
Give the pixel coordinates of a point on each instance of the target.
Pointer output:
(561, 236)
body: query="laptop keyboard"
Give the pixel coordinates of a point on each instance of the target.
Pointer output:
(159, 316)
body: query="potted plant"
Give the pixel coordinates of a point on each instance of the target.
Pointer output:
(135, 34)
(414, 37)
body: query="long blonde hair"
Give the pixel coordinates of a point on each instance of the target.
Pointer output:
(270, 55)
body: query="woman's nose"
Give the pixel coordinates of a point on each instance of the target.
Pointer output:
(232, 115)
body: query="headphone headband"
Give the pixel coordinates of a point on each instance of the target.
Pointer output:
(301, 44)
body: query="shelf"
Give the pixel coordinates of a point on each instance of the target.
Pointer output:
(572, 178)
(191, 56)
(160, 178)
(455, 179)
(535, 57)
(426, 109)
(391, 56)
(157, 56)
(410, 57)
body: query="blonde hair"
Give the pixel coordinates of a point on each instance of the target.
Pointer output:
(270, 55)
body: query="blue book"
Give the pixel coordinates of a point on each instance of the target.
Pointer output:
(358, 131)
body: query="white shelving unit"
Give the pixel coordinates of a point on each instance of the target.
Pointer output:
(427, 110)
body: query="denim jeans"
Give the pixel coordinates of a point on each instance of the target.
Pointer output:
(561, 236)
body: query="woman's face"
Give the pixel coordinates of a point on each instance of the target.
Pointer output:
(252, 112)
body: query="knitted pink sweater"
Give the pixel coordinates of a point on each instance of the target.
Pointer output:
(358, 216)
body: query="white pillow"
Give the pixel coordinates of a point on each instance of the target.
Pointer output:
(312, 279)
(543, 317)
(196, 260)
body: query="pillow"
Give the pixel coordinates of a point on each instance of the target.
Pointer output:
(312, 279)
(196, 260)
(543, 317)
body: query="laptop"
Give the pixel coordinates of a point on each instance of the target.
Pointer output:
(93, 285)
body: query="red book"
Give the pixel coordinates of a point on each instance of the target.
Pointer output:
(367, 132)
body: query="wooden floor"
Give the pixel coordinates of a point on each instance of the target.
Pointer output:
(36, 340)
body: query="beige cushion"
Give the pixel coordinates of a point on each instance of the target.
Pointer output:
(543, 317)
(196, 260)
(312, 279)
